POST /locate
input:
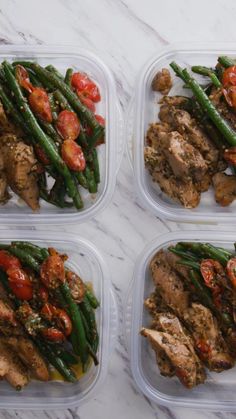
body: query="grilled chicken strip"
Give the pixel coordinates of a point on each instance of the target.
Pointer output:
(182, 191)
(169, 323)
(6, 127)
(179, 355)
(170, 286)
(225, 188)
(29, 355)
(183, 158)
(20, 168)
(153, 134)
(208, 338)
(12, 368)
(8, 323)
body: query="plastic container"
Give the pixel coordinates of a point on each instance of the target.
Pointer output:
(218, 392)
(143, 110)
(109, 154)
(88, 263)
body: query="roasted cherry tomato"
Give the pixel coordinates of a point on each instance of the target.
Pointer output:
(39, 104)
(20, 283)
(53, 335)
(52, 272)
(8, 261)
(68, 125)
(73, 155)
(59, 316)
(86, 101)
(229, 76)
(230, 155)
(42, 156)
(230, 95)
(231, 271)
(82, 83)
(23, 79)
(76, 285)
(210, 268)
(89, 131)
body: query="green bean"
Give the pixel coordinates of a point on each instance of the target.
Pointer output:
(92, 298)
(190, 264)
(54, 107)
(201, 289)
(12, 111)
(205, 71)
(206, 250)
(91, 320)
(54, 70)
(78, 327)
(62, 101)
(32, 249)
(226, 61)
(25, 258)
(81, 179)
(89, 174)
(68, 76)
(50, 130)
(184, 254)
(42, 139)
(95, 165)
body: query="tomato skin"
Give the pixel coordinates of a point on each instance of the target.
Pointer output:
(231, 271)
(52, 272)
(23, 79)
(86, 101)
(73, 155)
(229, 76)
(8, 261)
(230, 95)
(209, 269)
(39, 103)
(68, 125)
(20, 283)
(82, 83)
(89, 131)
(53, 335)
(61, 318)
(43, 294)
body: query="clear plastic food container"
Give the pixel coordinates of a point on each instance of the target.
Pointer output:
(88, 263)
(143, 110)
(218, 392)
(109, 154)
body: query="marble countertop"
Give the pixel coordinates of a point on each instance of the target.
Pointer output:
(124, 33)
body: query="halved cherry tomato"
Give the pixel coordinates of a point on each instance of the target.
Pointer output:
(20, 283)
(73, 155)
(82, 83)
(89, 131)
(230, 95)
(210, 268)
(59, 316)
(68, 125)
(86, 101)
(42, 156)
(23, 79)
(52, 272)
(8, 261)
(53, 335)
(231, 271)
(39, 103)
(229, 76)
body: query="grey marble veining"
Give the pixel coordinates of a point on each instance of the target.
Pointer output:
(124, 33)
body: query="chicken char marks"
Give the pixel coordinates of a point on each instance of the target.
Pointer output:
(185, 335)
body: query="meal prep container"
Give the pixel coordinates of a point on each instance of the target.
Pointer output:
(110, 154)
(144, 109)
(85, 260)
(218, 392)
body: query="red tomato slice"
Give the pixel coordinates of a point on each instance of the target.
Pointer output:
(231, 271)
(52, 334)
(43, 294)
(23, 79)
(68, 125)
(20, 283)
(52, 272)
(39, 104)
(86, 101)
(73, 155)
(8, 261)
(82, 83)
(229, 76)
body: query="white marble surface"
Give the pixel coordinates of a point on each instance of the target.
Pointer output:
(124, 33)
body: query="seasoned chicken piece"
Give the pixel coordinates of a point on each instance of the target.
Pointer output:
(164, 364)
(169, 323)
(207, 337)
(177, 102)
(184, 159)
(4, 195)
(169, 285)
(20, 167)
(162, 82)
(182, 191)
(225, 188)
(29, 355)
(6, 127)
(173, 260)
(8, 322)
(179, 355)
(11, 368)
(154, 303)
(166, 115)
(188, 126)
(153, 133)
(204, 184)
